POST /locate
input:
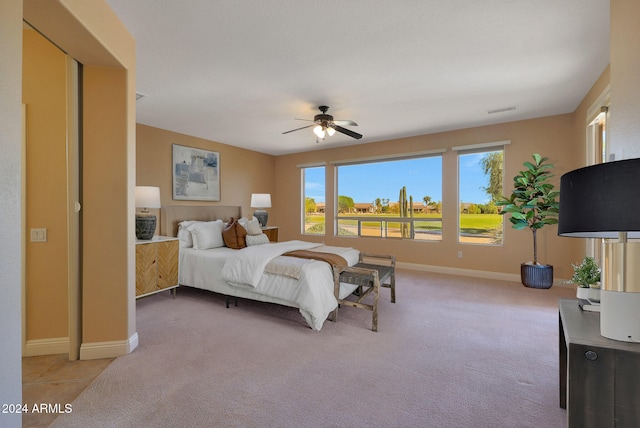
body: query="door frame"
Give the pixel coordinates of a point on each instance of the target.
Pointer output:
(74, 242)
(597, 113)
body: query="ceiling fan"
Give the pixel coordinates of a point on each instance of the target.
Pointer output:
(325, 125)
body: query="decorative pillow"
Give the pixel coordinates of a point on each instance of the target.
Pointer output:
(207, 235)
(257, 239)
(242, 220)
(234, 235)
(253, 227)
(184, 235)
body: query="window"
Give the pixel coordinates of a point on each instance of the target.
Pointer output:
(597, 148)
(389, 198)
(313, 194)
(479, 187)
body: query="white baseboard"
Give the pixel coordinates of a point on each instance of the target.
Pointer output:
(52, 346)
(501, 276)
(97, 350)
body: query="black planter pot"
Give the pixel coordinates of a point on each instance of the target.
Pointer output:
(536, 276)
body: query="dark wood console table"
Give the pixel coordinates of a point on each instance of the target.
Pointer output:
(599, 377)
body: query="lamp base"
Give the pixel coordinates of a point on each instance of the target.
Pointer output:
(620, 291)
(145, 226)
(262, 217)
(620, 315)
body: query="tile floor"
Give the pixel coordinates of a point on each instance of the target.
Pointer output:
(55, 381)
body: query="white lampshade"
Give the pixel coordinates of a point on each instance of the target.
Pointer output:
(147, 197)
(331, 131)
(319, 131)
(260, 200)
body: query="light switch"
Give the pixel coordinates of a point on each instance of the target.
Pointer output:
(39, 234)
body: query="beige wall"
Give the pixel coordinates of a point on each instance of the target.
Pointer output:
(600, 87)
(553, 137)
(44, 93)
(625, 82)
(105, 237)
(242, 172)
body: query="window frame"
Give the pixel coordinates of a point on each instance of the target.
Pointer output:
(303, 188)
(477, 149)
(386, 223)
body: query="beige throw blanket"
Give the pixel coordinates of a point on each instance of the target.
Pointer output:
(333, 259)
(290, 264)
(286, 266)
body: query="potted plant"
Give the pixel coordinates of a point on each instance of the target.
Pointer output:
(533, 205)
(587, 276)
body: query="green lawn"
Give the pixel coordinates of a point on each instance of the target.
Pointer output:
(479, 223)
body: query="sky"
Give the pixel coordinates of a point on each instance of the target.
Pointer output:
(422, 176)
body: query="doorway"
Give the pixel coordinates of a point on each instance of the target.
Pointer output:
(51, 194)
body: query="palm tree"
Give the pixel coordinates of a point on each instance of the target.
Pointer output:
(427, 200)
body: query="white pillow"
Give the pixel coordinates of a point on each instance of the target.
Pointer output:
(243, 221)
(184, 235)
(207, 235)
(257, 239)
(252, 226)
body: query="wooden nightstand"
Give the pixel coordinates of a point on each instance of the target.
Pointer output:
(156, 265)
(271, 232)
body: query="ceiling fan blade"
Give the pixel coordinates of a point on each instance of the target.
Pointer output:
(297, 129)
(306, 120)
(345, 122)
(346, 131)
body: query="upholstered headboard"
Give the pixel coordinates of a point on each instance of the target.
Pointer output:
(171, 215)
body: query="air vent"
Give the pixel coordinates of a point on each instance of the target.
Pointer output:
(501, 110)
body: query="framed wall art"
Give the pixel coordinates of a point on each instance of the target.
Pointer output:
(196, 174)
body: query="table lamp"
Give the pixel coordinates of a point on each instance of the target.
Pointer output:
(146, 197)
(261, 200)
(603, 201)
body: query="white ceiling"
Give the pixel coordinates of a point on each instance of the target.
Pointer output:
(239, 72)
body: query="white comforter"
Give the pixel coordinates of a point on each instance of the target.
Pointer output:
(247, 266)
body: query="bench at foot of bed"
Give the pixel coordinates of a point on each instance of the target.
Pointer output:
(370, 273)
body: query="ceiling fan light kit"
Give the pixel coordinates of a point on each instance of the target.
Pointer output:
(324, 125)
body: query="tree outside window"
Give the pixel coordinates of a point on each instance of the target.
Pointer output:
(480, 186)
(313, 179)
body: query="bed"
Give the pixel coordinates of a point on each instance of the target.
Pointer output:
(258, 272)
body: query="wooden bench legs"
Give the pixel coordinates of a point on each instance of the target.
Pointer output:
(369, 277)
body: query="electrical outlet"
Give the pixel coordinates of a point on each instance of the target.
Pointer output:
(459, 254)
(39, 235)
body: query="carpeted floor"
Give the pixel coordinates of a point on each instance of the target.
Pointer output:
(453, 352)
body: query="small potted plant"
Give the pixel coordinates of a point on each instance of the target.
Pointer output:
(533, 205)
(587, 276)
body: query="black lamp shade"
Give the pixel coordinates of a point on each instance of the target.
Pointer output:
(600, 201)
